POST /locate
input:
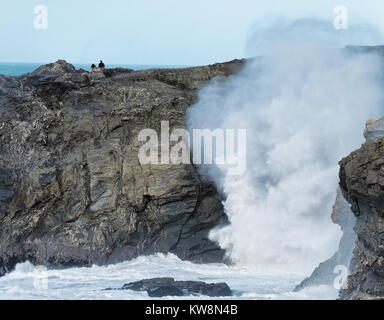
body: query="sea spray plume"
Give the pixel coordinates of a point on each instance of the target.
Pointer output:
(272, 31)
(304, 105)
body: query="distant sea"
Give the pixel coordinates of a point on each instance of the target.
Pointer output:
(17, 69)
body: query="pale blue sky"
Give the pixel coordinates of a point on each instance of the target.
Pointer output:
(176, 32)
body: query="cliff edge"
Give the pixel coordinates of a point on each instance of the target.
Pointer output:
(362, 183)
(72, 191)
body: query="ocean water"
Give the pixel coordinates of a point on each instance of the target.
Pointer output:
(36, 282)
(17, 69)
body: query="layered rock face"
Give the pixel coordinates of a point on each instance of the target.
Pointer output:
(362, 183)
(72, 191)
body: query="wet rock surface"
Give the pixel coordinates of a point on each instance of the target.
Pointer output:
(362, 183)
(161, 287)
(72, 191)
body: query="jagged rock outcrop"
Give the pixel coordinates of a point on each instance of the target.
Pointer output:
(72, 191)
(362, 183)
(162, 287)
(325, 274)
(377, 50)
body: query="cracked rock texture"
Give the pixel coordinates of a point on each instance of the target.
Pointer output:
(362, 183)
(72, 191)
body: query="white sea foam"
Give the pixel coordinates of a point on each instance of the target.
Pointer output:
(88, 283)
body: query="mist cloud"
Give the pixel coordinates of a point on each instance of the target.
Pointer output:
(304, 104)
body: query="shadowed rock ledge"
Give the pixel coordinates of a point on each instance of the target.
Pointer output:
(72, 191)
(162, 287)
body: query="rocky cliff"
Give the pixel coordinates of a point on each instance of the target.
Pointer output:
(362, 183)
(72, 191)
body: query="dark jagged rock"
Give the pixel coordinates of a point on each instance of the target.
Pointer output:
(72, 191)
(161, 287)
(324, 273)
(362, 183)
(59, 67)
(377, 50)
(112, 72)
(3, 268)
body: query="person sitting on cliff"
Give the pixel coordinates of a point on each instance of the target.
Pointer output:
(93, 67)
(101, 64)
